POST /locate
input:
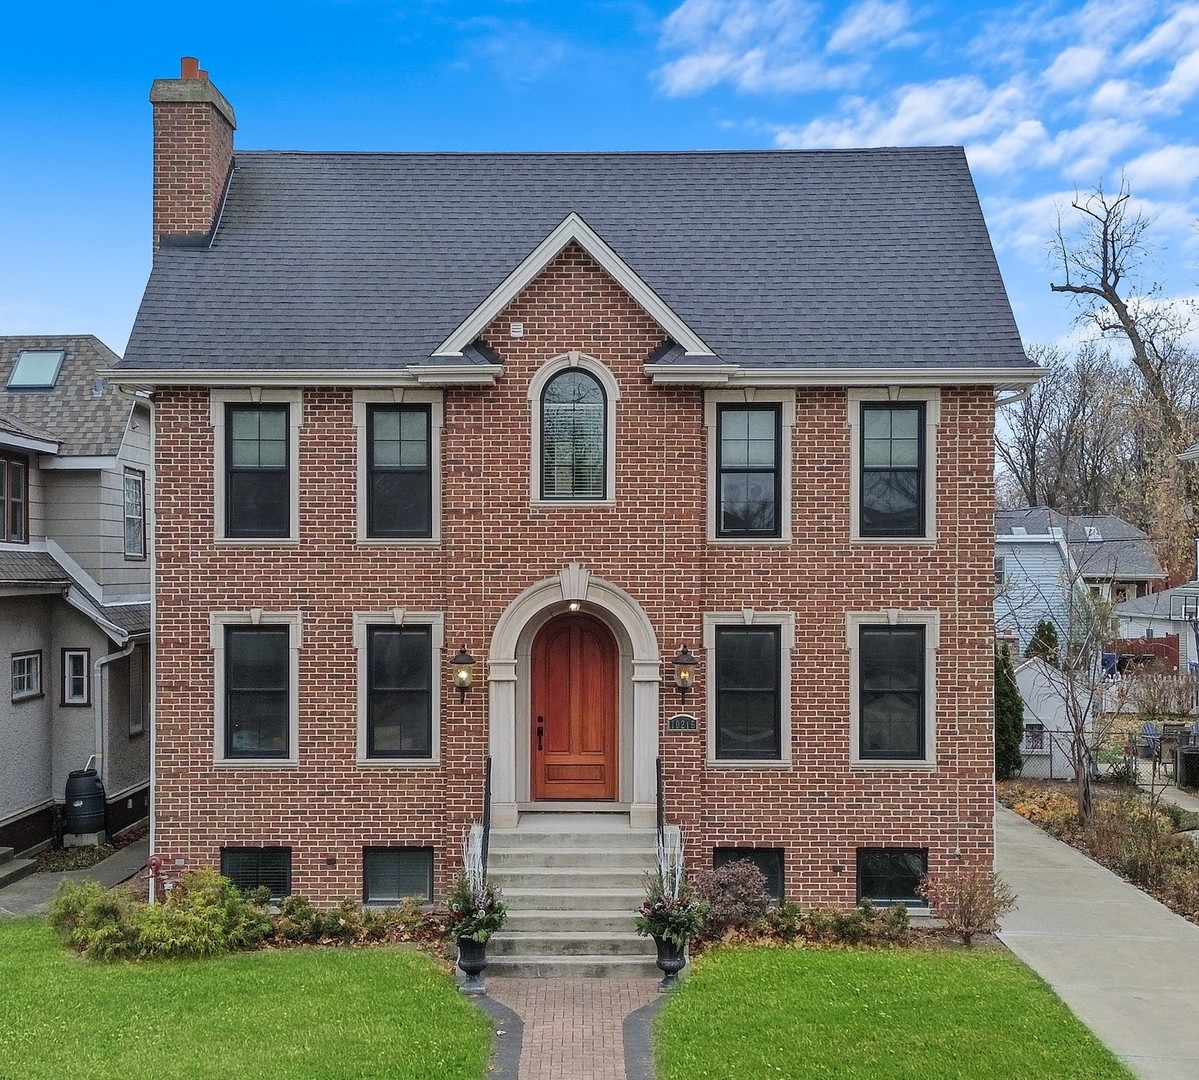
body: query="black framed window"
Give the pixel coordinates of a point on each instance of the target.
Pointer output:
(14, 498)
(574, 417)
(768, 860)
(890, 875)
(257, 480)
(390, 875)
(748, 692)
(399, 663)
(399, 470)
(893, 464)
(135, 514)
(891, 692)
(257, 692)
(748, 474)
(251, 867)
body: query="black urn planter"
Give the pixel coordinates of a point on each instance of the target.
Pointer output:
(672, 959)
(472, 959)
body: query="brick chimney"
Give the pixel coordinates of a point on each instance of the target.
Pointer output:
(193, 154)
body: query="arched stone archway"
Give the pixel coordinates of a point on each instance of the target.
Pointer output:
(508, 691)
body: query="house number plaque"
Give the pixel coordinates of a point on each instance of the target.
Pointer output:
(682, 722)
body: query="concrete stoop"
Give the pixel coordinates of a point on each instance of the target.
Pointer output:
(14, 869)
(572, 883)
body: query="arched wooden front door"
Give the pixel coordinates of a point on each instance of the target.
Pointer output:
(575, 695)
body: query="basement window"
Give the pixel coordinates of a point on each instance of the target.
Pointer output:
(36, 369)
(389, 875)
(251, 867)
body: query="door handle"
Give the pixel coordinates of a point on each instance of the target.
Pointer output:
(540, 732)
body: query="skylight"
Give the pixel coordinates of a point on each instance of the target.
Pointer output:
(35, 369)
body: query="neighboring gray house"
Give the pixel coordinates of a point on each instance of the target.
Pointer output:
(75, 488)
(1173, 611)
(1041, 556)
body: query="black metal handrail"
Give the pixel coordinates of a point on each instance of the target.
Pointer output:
(486, 811)
(661, 804)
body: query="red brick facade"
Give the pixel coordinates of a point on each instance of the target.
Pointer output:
(496, 541)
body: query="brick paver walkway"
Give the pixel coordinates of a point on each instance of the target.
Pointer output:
(572, 1026)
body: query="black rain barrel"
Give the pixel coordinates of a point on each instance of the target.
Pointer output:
(85, 802)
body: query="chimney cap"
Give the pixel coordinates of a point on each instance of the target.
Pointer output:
(189, 68)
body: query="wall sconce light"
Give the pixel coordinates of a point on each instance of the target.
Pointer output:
(684, 672)
(464, 672)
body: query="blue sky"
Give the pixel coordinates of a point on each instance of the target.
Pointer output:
(1046, 96)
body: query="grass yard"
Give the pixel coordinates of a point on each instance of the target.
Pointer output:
(377, 1012)
(845, 1014)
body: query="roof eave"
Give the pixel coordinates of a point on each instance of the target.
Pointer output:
(411, 376)
(732, 375)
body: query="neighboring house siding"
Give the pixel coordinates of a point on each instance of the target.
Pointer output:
(128, 755)
(1135, 626)
(74, 725)
(1037, 587)
(25, 726)
(651, 543)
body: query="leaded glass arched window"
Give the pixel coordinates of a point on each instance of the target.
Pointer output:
(573, 437)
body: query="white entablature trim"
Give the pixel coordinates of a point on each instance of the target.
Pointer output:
(573, 228)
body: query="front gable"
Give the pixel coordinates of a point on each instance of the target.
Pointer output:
(572, 230)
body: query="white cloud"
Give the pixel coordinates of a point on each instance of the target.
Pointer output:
(1010, 150)
(754, 46)
(1172, 167)
(1075, 67)
(1088, 150)
(954, 110)
(872, 22)
(1164, 40)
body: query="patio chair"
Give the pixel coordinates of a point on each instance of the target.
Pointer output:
(1151, 741)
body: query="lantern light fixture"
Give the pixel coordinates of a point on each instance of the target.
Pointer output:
(684, 672)
(464, 672)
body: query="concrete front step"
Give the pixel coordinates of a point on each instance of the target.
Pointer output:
(574, 899)
(640, 841)
(568, 858)
(569, 943)
(578, 877)
(6, 854)
(15, 869)
(538, 920)
(572, 967)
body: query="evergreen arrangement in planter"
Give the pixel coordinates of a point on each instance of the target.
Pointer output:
(474, 911)
(671, 913)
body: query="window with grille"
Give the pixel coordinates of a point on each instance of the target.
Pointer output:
(892, 467)
(399, 455)
(748, 692)
(26, 675)
(748, 470)
(135, 514)
(257, 481)
(76, 685)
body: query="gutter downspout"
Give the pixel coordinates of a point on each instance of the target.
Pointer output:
(98, 693)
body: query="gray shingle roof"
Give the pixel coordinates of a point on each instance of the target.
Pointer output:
(71, 413)
(1122, 552)
(132, 618)
(31, 568)
(777, 259)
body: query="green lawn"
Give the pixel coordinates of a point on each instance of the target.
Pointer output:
(306, 1013)
(876, 1015)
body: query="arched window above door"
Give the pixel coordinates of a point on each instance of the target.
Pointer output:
(574, 431)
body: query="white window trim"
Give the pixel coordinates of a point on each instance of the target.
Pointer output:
(293, 620)
(256, 395)
(931, 620)
(399, 617)
(35, 691)
(138, 476)
(67, 655)
(931, 397)
(751, 396)
(435, 399)
(573, 359)
(750, 617)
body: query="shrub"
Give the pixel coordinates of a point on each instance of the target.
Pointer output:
(735, 894)
(1009, 716)
(969, 899)
(1044, 643)
(863, 925)
(204, 915)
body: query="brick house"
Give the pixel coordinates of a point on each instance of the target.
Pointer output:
(571, 412)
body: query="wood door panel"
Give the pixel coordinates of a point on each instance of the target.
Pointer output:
(575, 705)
